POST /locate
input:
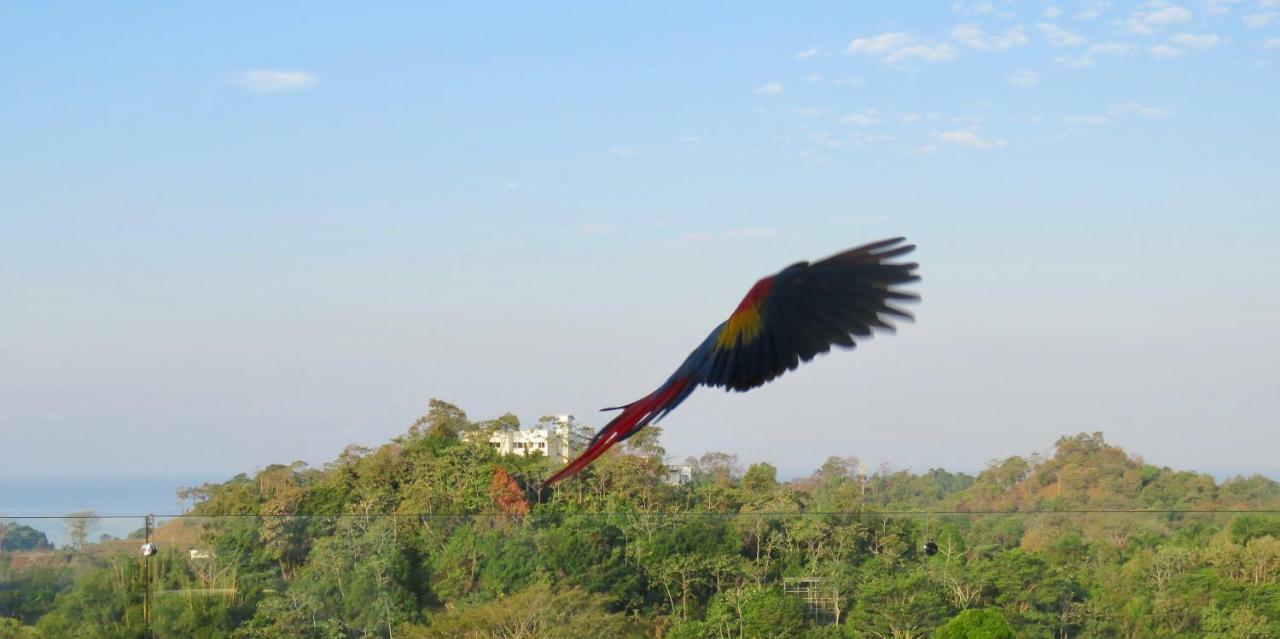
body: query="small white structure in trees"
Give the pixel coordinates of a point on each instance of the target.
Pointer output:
(555, 438)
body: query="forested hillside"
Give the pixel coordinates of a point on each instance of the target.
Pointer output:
(432, 535)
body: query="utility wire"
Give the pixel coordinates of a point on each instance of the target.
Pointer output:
(675, 514)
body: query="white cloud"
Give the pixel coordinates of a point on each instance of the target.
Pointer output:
(806, 54)
(1111, 48)
(974, 7)
(1168, 15)
(972, 36)
(862, 118)
(1164, 51)
(691, 139)
(1001, 8)
(270, 81)
(882, 43)
(1052, 11)
(897, 46)
(1259, 20)
(970, 139)
(1141, 110)
(1271, 44)
(1117, 110)
(1087, 120)
(913, 118)
(1221, 6)
(1091, 55)
(862, 138)
(926, 52)
(1196, 41)
(1059, 37)
(622, 151)
(773, 88)
(823, 138)
(1093, 9)
(1035, 119)
(1024, 79)
(1144, 22)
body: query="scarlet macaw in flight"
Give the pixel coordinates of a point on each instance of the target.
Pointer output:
(785, 319)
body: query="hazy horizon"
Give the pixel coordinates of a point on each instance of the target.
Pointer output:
(239, 235)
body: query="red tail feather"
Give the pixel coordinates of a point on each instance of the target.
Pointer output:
(617, 429)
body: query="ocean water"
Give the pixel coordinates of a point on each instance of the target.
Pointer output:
(122, 503)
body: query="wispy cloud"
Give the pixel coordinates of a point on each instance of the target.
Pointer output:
(773, 88)
(970, 139)
(1093, 53)
(1140, 110)
(883, 43)
(925, 52)
(1052, 11)
(1024, 79)
(1117, 111)
(866, 117)
(1260, 20)
(806, 54)
(1164, 51)
(1196, 41)
(1003, 8)
(1145, 22)
(1059, 37)
(1271, 44)
(623, 151)
(916, 118)
(972, 36)
(862, 138)
(1093, 9)
(1221, 6)
(1086, 120)
(899, 46)
(273, 81)
(824, 139)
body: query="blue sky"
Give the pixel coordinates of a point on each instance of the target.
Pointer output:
(238, 235)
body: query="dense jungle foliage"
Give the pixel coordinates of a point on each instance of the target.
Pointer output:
(436, 535)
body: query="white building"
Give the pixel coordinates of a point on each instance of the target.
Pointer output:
(678, 474)
(555, 440)
(558, 441)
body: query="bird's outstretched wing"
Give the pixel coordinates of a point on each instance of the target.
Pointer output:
(806, 309)
(785, 319)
